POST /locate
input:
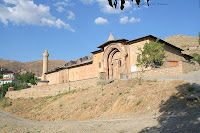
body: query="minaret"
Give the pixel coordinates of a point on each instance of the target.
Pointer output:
(110, 38)
(45, 64)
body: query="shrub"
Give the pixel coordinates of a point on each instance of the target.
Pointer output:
(138, 103)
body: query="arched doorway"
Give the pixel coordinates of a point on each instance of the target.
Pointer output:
(114, 60)
(115, 64)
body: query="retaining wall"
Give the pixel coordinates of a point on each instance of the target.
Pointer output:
(183, 67)
(51, 90)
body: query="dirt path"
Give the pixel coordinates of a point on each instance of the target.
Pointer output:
(174, 123)
(13, 124)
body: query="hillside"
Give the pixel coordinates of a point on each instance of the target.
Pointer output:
(184, 42)
(34, 66)
(120, 99)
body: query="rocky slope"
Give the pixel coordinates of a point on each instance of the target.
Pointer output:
(184, 42)
(34, 66)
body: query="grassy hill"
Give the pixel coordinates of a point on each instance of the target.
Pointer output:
(120, 99)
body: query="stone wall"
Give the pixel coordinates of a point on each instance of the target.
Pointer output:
(189, 66)
(51, 90)
(183, 67)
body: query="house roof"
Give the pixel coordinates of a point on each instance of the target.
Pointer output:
(8, 73)
(9, 79)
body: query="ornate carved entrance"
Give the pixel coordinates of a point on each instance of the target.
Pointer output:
(114, 61)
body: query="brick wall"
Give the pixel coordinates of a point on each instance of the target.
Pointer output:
(51, 90)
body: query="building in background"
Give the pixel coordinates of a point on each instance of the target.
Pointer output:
(5, 81)
(9, 76)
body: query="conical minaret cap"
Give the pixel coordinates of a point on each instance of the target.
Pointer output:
(46, 53)
(110, 38)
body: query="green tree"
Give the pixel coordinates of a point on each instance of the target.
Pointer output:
(28, 78)
(5, 87)
(113, 3)
(152, 55)
(196, 58)
(1, 76)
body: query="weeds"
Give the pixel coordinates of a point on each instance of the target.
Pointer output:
(138, 102)
(191, 89)
(120, 93)
(7, 104)
(85, 103)
(103, 94)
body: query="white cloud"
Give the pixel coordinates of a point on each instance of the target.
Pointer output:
(101, 20)
(125, 20)
(60, 9)
(63, 3)
(106, 8)
(87, 1)
(133, 20)
(26, 12)
(71, 15)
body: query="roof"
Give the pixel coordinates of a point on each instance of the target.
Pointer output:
(97, 51)
(112, 41)
(8, 73)
(9, 79)
(154, 38)
(82, 63)
(72, 66)
(56, 69)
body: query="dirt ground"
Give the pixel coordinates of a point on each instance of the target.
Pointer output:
(122, 106)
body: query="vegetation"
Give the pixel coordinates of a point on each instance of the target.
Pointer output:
(138, 102)
(5, 87)
(199, 38)
(152, 55)
(196, 58)
(27, 78)
(113, 3)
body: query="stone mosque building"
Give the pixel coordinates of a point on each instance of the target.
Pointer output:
(112, 59)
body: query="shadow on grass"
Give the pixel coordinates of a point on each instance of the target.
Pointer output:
(178, 114)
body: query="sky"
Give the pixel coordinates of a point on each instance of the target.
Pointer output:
(71, 29)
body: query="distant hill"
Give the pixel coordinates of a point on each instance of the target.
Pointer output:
(34, 66)
(184, 42)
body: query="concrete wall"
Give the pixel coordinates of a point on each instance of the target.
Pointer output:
(51, 90)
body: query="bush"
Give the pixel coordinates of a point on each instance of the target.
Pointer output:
(19, 86)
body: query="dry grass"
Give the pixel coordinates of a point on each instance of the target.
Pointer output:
(120, 99)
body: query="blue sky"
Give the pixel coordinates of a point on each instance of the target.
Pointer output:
(71, 29)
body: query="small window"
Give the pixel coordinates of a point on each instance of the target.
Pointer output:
(138, 57)
(99, 64)
(120, 63)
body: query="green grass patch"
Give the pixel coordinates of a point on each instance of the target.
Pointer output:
(138, 103)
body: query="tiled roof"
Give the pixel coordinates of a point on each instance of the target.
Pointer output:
(9, 79)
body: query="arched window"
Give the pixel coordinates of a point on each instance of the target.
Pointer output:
(120, 63)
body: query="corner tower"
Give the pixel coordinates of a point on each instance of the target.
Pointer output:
(45, 64)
